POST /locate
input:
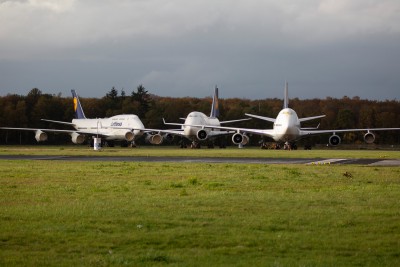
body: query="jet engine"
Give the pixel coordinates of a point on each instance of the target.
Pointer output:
(246, 140)
(154, 139)
(40, 136)
(157, 139)
(77, 138)
(237, 138)
(369, 138)
(129, 136)
(168, 137)
(202, 135)
(334, 140)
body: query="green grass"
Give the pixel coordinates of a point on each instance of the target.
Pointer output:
(181, 214)
(152, 151)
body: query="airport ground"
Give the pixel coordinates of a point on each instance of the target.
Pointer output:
(383, 156)
(138, 213)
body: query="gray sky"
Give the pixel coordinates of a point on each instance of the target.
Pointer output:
(184, 48)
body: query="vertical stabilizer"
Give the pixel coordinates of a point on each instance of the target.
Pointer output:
(286, 97)
(215, 105)
(79, 114)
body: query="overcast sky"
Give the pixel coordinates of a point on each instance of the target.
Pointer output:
(179, 48)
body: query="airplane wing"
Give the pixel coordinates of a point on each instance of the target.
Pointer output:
(59, 122)
(220, 133)
(201, 126)
(266, 132)
(43, 130)
(225, 130)
(314, 132)
(167, 131)
(54, 131)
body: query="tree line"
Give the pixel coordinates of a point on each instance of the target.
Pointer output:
(27, 111)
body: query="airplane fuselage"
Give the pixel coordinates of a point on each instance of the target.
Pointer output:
(113, 128)
(198, 118)
(287, 126)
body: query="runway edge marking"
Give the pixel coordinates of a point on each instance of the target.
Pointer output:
(325, 162)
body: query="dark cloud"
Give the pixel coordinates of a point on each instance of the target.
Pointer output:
(178, 48)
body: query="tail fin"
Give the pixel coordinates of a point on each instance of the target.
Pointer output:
(286, 96)
(79, 114)
(215, 105)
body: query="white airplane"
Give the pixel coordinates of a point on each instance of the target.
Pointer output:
(127, 127)
(208, 127)
(287, 128)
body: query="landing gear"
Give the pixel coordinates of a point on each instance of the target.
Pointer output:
(264, 145)
(290, 146)
(132, 144)
(109, 143)
(222, 144)
(195, 145)
(268, 145)
(307, 147)
(182, 143)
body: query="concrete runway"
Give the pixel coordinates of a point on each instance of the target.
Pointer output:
(306, 161)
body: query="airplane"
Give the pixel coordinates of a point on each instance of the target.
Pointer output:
(287, 128)
(125, 128)
(198, 134)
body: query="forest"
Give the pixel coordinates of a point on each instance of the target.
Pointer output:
(27, 111)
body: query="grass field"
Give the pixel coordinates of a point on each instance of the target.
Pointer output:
(185, 214)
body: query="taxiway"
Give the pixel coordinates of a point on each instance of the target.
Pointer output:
(306, 161)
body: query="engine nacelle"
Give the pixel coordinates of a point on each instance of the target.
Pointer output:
(40, 136)
(77, 138)
(129, 136)
(334, 140)
(154, 139)
(246, 140)
(237, 138)
(369, 138)
(202, 135)
(168, 137)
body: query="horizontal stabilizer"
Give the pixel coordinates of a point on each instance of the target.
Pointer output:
(222, 122)
(170, 123)
(260, 117)
(311, 118)
(311, 128)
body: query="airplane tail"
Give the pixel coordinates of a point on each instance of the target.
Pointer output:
(286, 97)
(215, 105)
(79, 114)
